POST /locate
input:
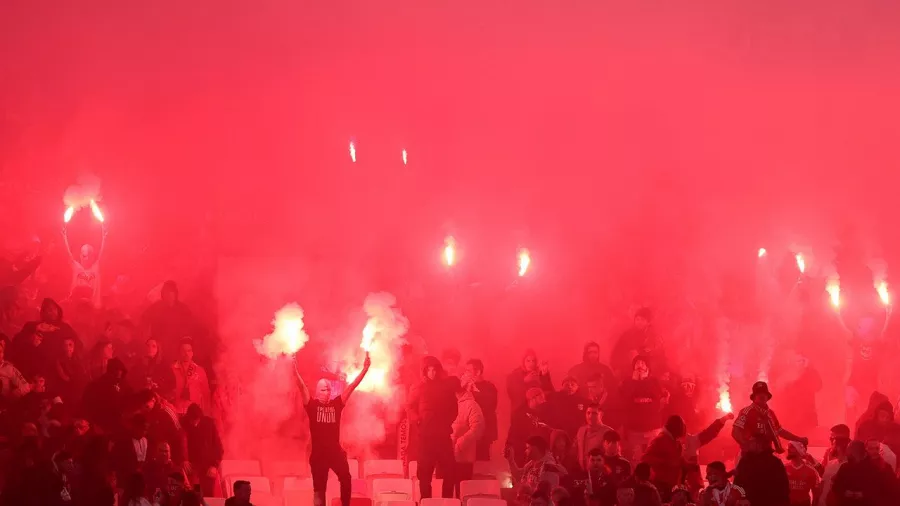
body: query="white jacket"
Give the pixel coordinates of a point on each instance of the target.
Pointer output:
(12, 383)
(467, 428)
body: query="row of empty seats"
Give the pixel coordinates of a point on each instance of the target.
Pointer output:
(379, 489)
(371, 468)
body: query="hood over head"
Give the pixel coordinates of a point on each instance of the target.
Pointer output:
(430, 361)
(49, 303)
(588, 346)
(115, 365)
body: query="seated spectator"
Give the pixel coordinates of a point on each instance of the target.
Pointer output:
(861, 481)
(136, 491)
(645, 492)
(29, 353)
(241, 495)
(680, 496)
(721, 492)
(590, 435)
(563, 451)
(539, 467)
(595, 484)
(164, 425)
(101, 354)
(159, 467)
(191, 382)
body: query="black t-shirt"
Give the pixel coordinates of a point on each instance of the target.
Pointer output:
(325, 424)
(602, 487)
(642, 400)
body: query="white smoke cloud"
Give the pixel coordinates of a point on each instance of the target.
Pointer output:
(288, 336)
(81, 193)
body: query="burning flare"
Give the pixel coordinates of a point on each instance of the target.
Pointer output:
(404, 157)
(67, 216)
(287, 336)
(524, 261)
(449, 251)
(352, 151)
(801, 263)
(762, 252)
(833, 287)
(883, 293)
(95, 209)
(724, 404)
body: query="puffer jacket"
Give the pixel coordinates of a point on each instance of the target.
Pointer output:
(468, 428)
(433, 402)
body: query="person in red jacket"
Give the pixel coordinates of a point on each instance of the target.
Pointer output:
(666, 456)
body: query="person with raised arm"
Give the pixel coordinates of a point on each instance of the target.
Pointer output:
(86, 270)
(325, 434)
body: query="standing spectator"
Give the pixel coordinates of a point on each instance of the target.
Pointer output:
(645, 492)
(665, 456)
(835, 457)
(563, 451)
(591, 367)
(70, 375)
(762, 475)
(159, 467)
(529, 375)
(29, 354)
(758, 422)
(486, 396)
(164, 424)
(860, 481)
(168, 320)
(104, 398)
(51, 326)
(567, 407)
(693, 442)
(803, 386)
(619, 468)
(540, 467)
(191, 381)
(130, 453)
(468, 429)
(882, 455)
(527, 421)
(639, 340)
(205, 450)
(590, 435)
(433, 405)
(594, 483)
(101, 354)
(642, 400)
(450, 360)
(802, 477)
(881, 427)
(153, 372)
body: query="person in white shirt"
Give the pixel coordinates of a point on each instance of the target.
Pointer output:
(13, 384)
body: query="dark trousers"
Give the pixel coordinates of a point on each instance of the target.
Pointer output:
(320, 464)
(464, 472)
(436, 453)
(483, 450)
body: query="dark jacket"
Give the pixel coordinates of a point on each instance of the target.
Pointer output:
(764, 479)
(525, 423)
(54, 331)
(105, 397)
(586, 370)
(204, 444)
(486, 397)
(433, 402)
(874, 482)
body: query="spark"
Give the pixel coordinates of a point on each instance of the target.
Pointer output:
(833, 287)
(449, 251)
(524, 261)
(352, 151)
(404, 157)
(801, 263)
(96, 210)
(724, 404)
(883, 293)
(67, 216)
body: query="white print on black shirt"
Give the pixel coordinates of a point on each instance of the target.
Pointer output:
(325, 414)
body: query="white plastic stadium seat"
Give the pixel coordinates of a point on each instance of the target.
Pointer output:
(265, 499)
(413, 467)
(396, 503)
(295, 483)
(241, 467)
(485, 501)
(396, 488)
(214, 501)
(288, 468)
(295, 497)
(440, 501)
(479, 488)
(383, 469)
(484, 470)
(257, 484)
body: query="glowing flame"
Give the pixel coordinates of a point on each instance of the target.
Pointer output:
(404, 157)
(287, 336)
(801, 263)
(96, 210)
(724, 404)
(883, 294)
(382, 338)
(67, 216)
(352, 151)
(762, 252)
(449, 251)
(524, 261)
(833, 287)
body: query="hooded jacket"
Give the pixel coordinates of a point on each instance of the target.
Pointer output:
(468, 428)
(518, 382)
(888, 433)
(55, 331)
(587, 370)
(433, 402)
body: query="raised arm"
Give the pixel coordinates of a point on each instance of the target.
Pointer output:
(304, 392)
(102, 241)
(65, 235)
(352, 386)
